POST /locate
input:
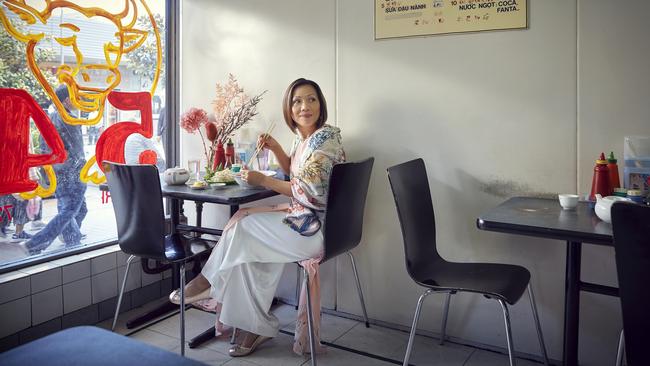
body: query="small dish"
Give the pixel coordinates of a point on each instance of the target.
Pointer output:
(218, 185)
(197, 187)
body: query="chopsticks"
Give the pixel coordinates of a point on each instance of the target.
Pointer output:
(259, 147)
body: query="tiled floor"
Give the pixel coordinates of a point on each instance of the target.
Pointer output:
(358, 345)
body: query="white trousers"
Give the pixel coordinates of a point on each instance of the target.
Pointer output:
(245, 267)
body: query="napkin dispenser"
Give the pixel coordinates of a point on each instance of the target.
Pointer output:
(176, 176)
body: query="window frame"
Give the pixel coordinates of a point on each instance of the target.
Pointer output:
(171, 145)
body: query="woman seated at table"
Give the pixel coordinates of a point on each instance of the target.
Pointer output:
(245, 267)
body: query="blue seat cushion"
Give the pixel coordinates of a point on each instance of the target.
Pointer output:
(89, 345)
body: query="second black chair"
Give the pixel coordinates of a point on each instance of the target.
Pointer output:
(631, 229)
(503, 282)
(343, 225)
(138, 206)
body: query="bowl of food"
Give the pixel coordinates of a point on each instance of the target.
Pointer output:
(244, 184)
(218, 185)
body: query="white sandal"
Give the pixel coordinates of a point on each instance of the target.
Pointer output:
(239, 350)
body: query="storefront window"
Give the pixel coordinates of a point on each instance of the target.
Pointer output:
(80, 83)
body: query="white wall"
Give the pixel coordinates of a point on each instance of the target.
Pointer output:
(493, 114)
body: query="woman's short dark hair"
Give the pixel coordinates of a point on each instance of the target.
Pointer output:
(287, 102)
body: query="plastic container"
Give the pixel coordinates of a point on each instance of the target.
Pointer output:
(636, 171)
(635, 195)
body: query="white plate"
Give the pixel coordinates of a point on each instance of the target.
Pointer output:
(196, 188)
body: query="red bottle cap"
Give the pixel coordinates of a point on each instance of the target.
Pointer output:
(601, 160)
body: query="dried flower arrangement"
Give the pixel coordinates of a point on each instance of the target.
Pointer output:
(232, 109)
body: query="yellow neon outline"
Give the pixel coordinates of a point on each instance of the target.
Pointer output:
(40, 191)
(94, 177)
(126, 32)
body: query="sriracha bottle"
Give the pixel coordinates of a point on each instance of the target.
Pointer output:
(614, 181)
(600, 182)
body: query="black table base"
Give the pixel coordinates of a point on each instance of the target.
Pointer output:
(164, 309)
(203, 337)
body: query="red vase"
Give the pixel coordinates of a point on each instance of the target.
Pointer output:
(219, 157)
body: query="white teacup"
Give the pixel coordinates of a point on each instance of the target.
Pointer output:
(568, 201)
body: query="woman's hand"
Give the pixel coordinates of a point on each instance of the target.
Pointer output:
(267, 141)
(253, 177)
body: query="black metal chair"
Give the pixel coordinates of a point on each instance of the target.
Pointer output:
(343, 224)
(503, 282)
(138, 207)
(631, 229)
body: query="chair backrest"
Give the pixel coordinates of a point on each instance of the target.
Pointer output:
(137, 203)
(410, 187)
(631, 228)
(346, 201)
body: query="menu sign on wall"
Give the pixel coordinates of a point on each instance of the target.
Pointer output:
(405, 18)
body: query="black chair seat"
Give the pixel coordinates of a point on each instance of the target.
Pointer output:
(502, 281)
(179, 247)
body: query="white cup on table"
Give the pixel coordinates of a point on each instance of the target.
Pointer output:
(568, 201)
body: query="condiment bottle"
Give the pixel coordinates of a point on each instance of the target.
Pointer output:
(600, 181)
(230, 153)
(614, 181)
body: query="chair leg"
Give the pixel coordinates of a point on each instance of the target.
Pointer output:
(443, 326)
(533, 304)
(506, 317)
(119, 299)
(356, 276)
(310, 320)
(182, 277)
(298, 272)
(416, 316)
(233, 337)
(621, 349)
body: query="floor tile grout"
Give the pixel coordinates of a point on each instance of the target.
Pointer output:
(340, 329)
(346, 332)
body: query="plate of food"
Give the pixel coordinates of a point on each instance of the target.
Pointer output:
(222, 176)
(198, 185)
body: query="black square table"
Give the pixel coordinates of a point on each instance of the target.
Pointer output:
(544, 218)
(231, 195)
